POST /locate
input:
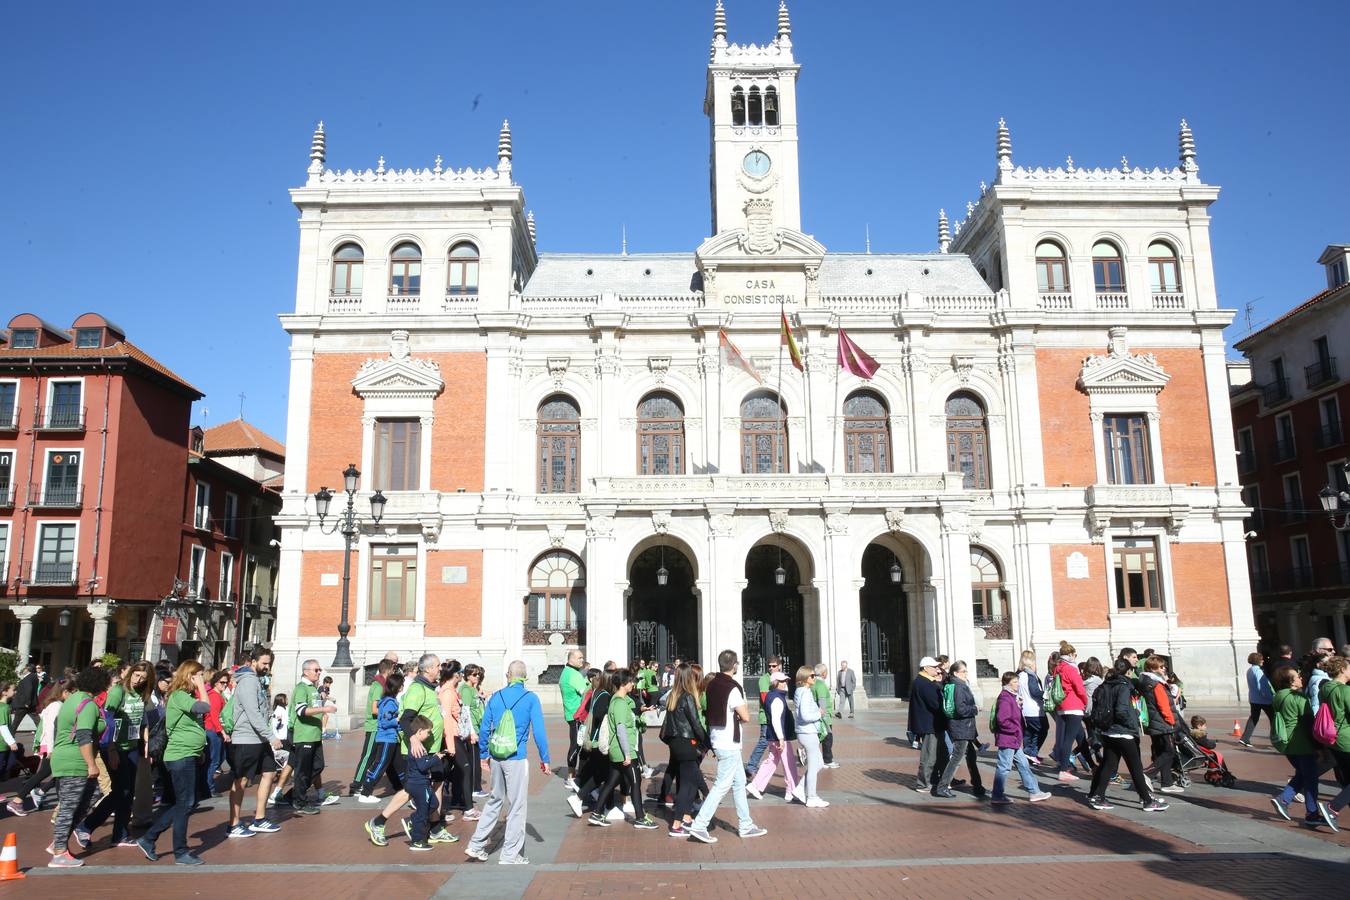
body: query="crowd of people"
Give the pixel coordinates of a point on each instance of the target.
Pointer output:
(442, 743)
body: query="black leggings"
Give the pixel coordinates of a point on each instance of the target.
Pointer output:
(470, 769)
(690, 780)
(1164, 755)
(1254, 718)
(452, 789)
(44, 771)
(631, 779)
(1067, 731)
(382, 761)
(1114, 749)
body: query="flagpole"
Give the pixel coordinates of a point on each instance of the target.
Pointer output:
(782, 413)
(834, 442)
(718, 423)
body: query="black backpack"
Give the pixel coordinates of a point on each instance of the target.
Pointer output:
(1103, 708)
(158, 740)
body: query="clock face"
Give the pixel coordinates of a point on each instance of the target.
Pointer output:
(756, 164)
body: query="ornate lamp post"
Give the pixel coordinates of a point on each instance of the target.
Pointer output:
(1334, 501)
(347, 523)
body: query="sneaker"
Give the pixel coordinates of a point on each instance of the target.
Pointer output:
(677, 830)
(648, 771)
(615, 815)
(148, 849)
(368, 798)
(832, 765)
(598, 820)
(239, 831)
(1099, 803)
(306, 810)
(330, 799)
(978, 793)
(1247, 744)
(419, 846)
(81, 836)
(817, 803)
(701, 834)
(64, 861)
(923, 789)
(272, 797)
(187, 859)
(1298, 798)
(1155, 805)
(573, 801)
(479, 795)
(16, 807)
(754, 831)
(513, 861)
(264, 826)
(628, 808)
(1173, 789)
(480, 855)
(442, 836)
(376, 833)
(572, 785)
(754, 792)
(1328, 817)
(1001, 801)
(126, 842)
(1067, 776)
(646, 823)
(1039, 797)
(407, 828)
(474, 815)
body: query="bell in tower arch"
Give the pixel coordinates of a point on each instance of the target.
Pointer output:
(771, 107)
(737, 107)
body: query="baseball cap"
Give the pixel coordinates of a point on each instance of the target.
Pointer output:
(927, 661)
(778, 676)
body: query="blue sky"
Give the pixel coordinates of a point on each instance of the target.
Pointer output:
(149, 152)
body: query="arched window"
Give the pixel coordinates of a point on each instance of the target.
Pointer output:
(1163, 268)
(756, 107)
(737, 106)
(771, 106)
(867, 434)
(660, 435)
(988, 595)
(1108, 269)
(463, 276)
(557, 599)
(763, 434)
(968, 440)
(405, 270)
(559, 450)
(1052, 270)
(348, 262)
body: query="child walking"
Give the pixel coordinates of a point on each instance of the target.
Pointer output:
(623, 756)
(385, 757)
(1008, 738)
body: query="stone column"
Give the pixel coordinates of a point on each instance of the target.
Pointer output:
(1338, 610)
(100, 612)
(727, 581)
(25, 616)
(604, 595)
(956, 616)
(343, 696)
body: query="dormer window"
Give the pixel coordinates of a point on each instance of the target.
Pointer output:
(1338, 273)
(88, 337)
(23, 339)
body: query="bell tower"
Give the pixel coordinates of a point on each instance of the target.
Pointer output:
(751, 104)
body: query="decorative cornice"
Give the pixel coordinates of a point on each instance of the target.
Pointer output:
(399, 375)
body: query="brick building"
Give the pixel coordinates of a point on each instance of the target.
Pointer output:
(573, 455)
(1289, 401)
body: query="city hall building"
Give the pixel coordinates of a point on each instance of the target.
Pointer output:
(616, 452)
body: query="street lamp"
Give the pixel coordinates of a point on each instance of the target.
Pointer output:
(1334, 500)
(350, 526)
(662, 574)
(896, 574)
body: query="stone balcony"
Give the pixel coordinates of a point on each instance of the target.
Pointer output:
(695, 489)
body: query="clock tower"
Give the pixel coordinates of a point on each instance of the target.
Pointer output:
(751, 103)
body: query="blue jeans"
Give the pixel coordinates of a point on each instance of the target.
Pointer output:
(730, 777)
(1304, 782)
(215, 749)
(1006, 757)
(760, 746)
(1067, 730)
(183, 773)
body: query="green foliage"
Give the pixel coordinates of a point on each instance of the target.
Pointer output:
(9, 665)
(110, 660)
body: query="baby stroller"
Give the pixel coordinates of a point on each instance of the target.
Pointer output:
(1192, 759)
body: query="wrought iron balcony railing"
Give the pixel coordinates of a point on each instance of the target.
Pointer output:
(61, 417)
(1275, 392)
(56, 496)
(1321, 372)
(50, 573)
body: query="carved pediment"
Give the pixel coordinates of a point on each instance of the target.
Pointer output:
(1120, 371)
(399, 375)
(741, 244)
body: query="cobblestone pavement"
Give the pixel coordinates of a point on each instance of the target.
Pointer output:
(879, 838)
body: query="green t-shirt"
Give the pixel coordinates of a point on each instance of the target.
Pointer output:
(763, 689)
(423, 700)
(128, 710)
(4, 713)
(468, 695)
(1337, 695)
(66, 757)
(1294, 711)
(647, 680)
(573, 685)
(306, 729)
(621, 716)
(372, 698)
(825, 700)
(186, 735)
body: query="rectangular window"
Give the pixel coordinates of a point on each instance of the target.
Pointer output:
(398, 455)
(62, 484)
(88, 337)
(4, 551)
(1284, 438)
(1138, 585)
(1330, 414)
(226, 576)
(231, 525)
(1127, 449)
(6, 477)
(1251, 496)
(201, 510)
(1246, 446)
(1343, 552)
(1260, 567)
(393, 583)
(196, 571)
(56, 555)
(66, 407)
(1293, 497)
(9, 404)
(1301, 571)
(23, 339)
(1109, 275)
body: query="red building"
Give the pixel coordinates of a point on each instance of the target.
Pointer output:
(1289, 405)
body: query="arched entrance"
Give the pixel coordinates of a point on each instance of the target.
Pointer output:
(772, 610)
(890, 612)
(662, 618)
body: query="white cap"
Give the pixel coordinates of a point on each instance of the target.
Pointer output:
(927, 661)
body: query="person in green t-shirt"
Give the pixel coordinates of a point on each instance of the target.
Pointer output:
(306, 718)
(752, 767)
(369, 726)
(623, 754)
(573, 686)
(466, 741)
(126, 704)
(185, 708)
(74, 743)
(820, 689)
(9, 755)
(1293, 738)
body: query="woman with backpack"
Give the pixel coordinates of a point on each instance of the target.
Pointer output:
(622, 733)
(1293, 738)
(594, 764)
(79, 725)
(1334, 695)
(782, 732)
(185, 709)
(49, 707)
(1163, 720)
(809, 722)
(1029, 695)
(1090, 743)
(126, 704)
(684, 732)
(1116, 714)
(1069, 697)
(961, 709)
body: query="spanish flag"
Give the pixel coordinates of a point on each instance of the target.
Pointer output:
(791, 344)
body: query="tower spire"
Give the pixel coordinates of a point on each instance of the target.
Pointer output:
(529, 226)
(784, 21)
(504, 150)
(719, 22)
(944, 235)
(1005, 162)
(1186, 145)
(318, 148)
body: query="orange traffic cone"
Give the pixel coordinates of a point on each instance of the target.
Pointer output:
(1237, 728)
(9, 860)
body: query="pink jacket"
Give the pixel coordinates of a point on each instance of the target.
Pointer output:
(1075, 695)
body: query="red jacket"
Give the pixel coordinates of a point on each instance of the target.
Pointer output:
(1075, 695)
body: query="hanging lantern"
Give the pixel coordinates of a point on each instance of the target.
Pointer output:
(662, 576)
(895, 572)
(780, 575)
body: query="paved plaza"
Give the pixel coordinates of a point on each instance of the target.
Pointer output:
(879, 838)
